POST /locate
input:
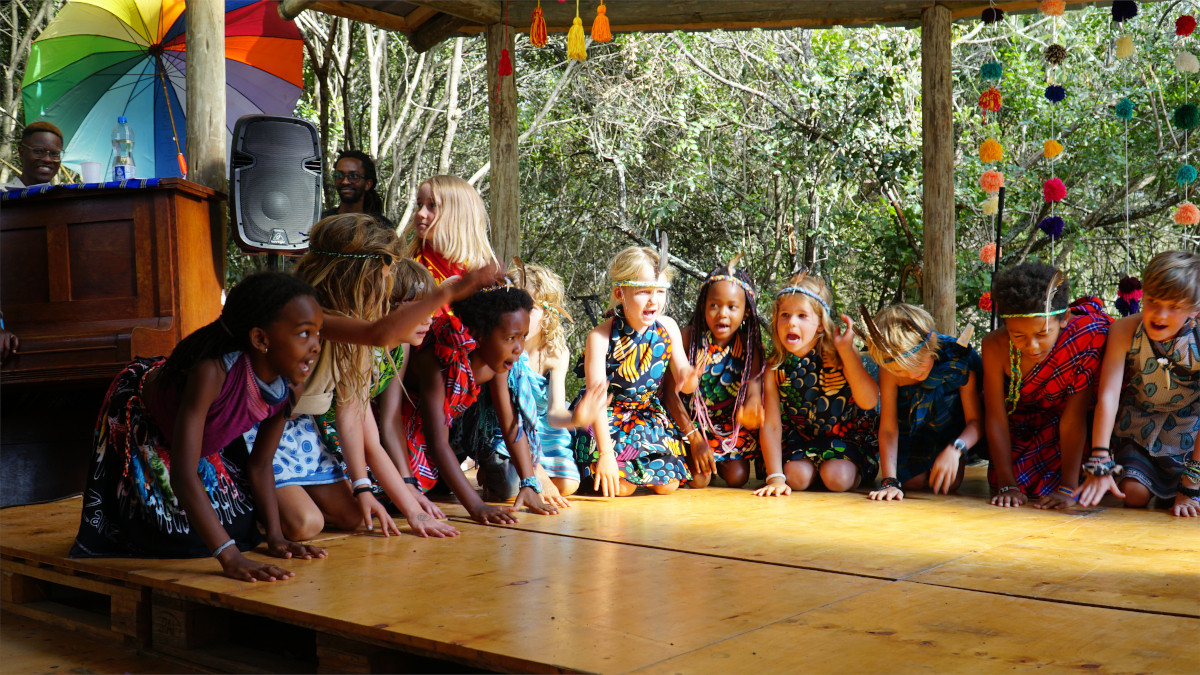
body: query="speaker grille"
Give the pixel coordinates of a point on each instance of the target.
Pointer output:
(276, 166)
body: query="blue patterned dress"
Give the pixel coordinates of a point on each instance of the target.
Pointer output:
(649, 448)
(930, 412)
(820, 419)
(1159, 416)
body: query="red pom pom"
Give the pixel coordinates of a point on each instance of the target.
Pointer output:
(985, 301)
(1054, 190)
(505, 63)
(990, 100)
(1185, 25)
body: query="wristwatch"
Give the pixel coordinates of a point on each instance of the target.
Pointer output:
(532, 482)
(959, 445)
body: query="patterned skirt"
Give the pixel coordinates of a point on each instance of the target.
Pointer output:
(649, 448)
(821, 450)
(1159, 473)
(301, 458)
(129, 507)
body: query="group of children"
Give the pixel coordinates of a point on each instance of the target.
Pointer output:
(343, 394)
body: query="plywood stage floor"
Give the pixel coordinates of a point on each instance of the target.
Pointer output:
(702, 581)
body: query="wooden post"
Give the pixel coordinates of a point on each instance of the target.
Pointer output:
(505, 172)
(937, 140)
(205, 150)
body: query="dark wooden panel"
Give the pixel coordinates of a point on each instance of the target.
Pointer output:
(23, 259)
(102, 259)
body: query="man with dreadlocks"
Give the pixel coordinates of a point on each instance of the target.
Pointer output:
(1039, 383)
(355, 178)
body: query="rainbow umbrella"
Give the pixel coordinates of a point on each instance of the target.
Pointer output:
(99, 59)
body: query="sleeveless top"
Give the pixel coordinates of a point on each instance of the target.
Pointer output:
(1159, 403)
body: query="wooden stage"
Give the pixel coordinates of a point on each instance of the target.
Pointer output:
(703, 581)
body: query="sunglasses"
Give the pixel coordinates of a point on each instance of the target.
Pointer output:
(38, 152)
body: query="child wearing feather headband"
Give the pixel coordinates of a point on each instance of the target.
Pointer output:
(930, 413)
(1039, 382)
(724, 342)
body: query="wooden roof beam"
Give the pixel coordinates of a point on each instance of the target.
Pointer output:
(434, 31)
(471, 11)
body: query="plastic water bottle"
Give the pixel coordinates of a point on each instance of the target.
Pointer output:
(122, 142)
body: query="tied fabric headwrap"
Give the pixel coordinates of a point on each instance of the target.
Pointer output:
(914, 350)
(1035, 314)
(732, 279)
(796, 289)
(387, 259)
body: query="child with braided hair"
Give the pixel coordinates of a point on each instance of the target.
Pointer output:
(1039, 378)
(1154, 418)
(930, 413)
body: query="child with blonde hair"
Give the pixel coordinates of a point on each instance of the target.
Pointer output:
(930, 413)
(448, 233)
(819, 396)
(634, 442)
(1154, 419)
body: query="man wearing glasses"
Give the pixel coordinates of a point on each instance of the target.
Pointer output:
(354, 179)
(40, 153)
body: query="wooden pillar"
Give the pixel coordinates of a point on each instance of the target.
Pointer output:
(937, 141)
(205, 149)
(505, 172)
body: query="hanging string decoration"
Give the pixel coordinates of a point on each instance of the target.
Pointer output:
(991, 181)
(992, 70)
(990, 151)
(1125, 48)
(1054, 190)
(987, 254)
(1053, 226)
(505, 67)
(991, 205)
(600, 29)
(1185, 25)
(1129, 296)
(1051, 149)
(1124, 109)
(1056, 54)
(1185, 175)
(990, 100)
(576, 47)
(1055, 93)
(1187, 116)
(1187, 63)
(537, 28)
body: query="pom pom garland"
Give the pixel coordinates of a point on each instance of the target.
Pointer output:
(990, 100)
(1186, 62)
(1186, 174)
(992, 70)
(1185, 25)
(991, 205)
(1123, 10)
(990, 151)
(537, 28)
(991, 181)
(1129, 296)
(1053, 7)
(992, 15)
(1125, 47)
(1056, 54)
(1055, 93)
(1051, 149)
(985, 301)
(600, 29)
(1053, 226)
(1124, 109)
(988, 253)
(1187, 116)
(1054, 190)
(1187, 214)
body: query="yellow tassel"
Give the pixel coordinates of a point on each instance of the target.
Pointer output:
(575, 46)
(600, 31)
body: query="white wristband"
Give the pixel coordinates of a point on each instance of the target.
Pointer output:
(360, 483)
(775, 475)
(222, 547)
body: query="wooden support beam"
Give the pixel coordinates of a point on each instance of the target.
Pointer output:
(362, 14)
(473, 11)
(433, 31)
(505, 176)
(206, 94)
(937, 141)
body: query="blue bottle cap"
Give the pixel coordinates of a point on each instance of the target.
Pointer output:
(121, 120)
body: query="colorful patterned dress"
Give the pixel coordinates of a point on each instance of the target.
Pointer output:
(129, 506)
(1159, 416)
(648, 447)
(930, 412)
(452, 346)
(718, 391)
(820, 419)
(1072, 366)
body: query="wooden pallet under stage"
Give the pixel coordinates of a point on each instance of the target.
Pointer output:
(701, 581)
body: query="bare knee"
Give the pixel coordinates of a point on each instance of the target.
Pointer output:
(839, 475)
(799, 473)
(625, 488)
(1136, 494)
(700, 480)
(301, 524)
(735, 472)
(566, 486)
(666, 488)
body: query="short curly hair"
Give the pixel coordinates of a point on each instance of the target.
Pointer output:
(480, 312)
(1021, 289)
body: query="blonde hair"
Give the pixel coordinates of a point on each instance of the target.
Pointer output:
(411, 281)
(628, 265)
(546, 289)
(348, 263)
(903, 328)
(1173, 275)
(460, 230)
(825, 341)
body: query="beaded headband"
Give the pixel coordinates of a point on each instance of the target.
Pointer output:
(387, 259)
(1033, 315)
(556, 309)
(732, 279)
(641, 284)
(796, 289)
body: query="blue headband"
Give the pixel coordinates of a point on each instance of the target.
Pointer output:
(914, 350)
(796, 289)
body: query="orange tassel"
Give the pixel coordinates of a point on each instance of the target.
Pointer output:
(600, 31)
(537, 31)
(505, 63)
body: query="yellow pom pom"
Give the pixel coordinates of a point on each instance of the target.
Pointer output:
(600, 31)
(575, 45)
(990, 151)
(991, 205)
(1052, 149)
(1125, 47)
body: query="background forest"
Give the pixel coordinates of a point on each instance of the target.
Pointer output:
(790, 146)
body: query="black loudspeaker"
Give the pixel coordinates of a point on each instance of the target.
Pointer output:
(274, 183)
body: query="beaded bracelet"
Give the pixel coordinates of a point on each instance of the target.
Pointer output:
(1064, 490)
(774, 475)
(890, 482)
(1100, 467)
(221, 549)
(1009, 488)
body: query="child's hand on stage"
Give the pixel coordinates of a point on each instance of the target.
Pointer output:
(425, 525)
(426, 505)
(283, 548)
(550, 493)
(776, 487)
(237, 566)
(887, 494)
(1185, 507)
(1094, 489)
(1055, 500)
(371, 507)
(528, 498)
(700, 454)
(608, 476)
(1009, 498)
(497, 515)
(944, 470)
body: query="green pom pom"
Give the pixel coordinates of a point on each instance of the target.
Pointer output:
(992, 70)
(1125, 109)
(1187, 116)
(1186, 174)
